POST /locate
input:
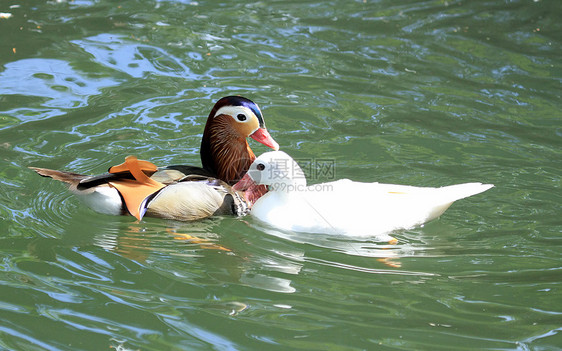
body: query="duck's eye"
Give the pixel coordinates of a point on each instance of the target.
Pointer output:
(260, 166)
(241, 117)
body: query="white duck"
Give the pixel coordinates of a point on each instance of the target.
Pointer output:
(344, 206)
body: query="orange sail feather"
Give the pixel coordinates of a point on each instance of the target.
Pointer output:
(135, 192)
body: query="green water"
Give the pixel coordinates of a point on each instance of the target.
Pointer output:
(425, 93)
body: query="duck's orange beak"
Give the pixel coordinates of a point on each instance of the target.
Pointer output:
(245, 183)
(261, 135)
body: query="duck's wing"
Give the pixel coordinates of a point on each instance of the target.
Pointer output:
(165, 175)
(196, 198)
(373, 191)
(115, 173)
(102, 179)
(187, 170)
(179, 173)
(377, 207)
(82, 183)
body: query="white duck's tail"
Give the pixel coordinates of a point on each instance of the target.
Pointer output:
(460, 191)
(445, 196)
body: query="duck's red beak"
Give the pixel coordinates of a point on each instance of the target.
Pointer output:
(252, 191)
(244, 183)
(261, 135)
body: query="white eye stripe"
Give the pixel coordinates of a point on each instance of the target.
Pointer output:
(234, 111)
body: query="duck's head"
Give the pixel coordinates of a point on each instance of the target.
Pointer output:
(224, 148)
(275, 169)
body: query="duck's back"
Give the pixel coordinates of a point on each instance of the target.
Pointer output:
(359, 209)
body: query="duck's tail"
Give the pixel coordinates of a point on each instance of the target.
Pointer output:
(448, 194)
(67, 177)
(460, 191)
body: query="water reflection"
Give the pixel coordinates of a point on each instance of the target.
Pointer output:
(435, 239)
(137, 241)
(257, 262)
(172, 248)
(386, 253)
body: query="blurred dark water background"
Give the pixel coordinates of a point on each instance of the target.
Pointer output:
(425, 93)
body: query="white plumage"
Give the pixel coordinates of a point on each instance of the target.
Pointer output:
(344, 206)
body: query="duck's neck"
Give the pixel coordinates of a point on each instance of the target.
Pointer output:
(224, 152)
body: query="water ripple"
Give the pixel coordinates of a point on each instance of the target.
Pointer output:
(426, 93)
(135, 59)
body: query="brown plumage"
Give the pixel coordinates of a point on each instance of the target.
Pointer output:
(231, 154)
